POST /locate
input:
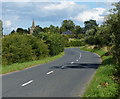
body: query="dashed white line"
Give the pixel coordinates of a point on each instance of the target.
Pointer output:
(72, 62)
(63, 67)
(80, 55)
(76, 60)
(27, 83)
(49, 72)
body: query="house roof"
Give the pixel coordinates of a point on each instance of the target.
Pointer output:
(67, 32)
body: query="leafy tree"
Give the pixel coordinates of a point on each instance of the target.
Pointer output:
(104, 35)
(78, 29)
(22, 31)
(16, 49)
(54, 29)
(39, 48)
(37, 30)
(1, 34)
(43, 35)
(46, 29)
(55, 43)
(90, 37)
(113, 20)
(80, 36)
(90, 24)
(67, 25)
(20, 48)
(51, 29)
(1, 28)
(66, 40)
(13, 31)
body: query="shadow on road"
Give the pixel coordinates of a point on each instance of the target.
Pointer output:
(77, 66)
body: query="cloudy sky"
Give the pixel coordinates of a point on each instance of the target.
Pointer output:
(20, 14)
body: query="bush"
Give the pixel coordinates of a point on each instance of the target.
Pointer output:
(76, 43)
(21, 48)
(71, 35)
(55, 44)
(66, 41)
(39, 48)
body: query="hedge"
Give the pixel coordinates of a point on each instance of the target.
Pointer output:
(21, 48)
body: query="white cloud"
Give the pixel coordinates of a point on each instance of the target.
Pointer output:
(95, 13)
(7, 23)
(59, 6)
(59, 0)
(45, 13)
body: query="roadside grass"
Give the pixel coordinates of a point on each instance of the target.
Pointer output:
(20, 66)
(103, 83)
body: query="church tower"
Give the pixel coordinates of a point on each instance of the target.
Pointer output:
(33, 24)
(32, 27)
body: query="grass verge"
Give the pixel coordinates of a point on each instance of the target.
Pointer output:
(21, 66)
(103, 83)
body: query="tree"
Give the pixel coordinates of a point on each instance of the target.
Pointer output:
(67, 25)
(20, 48)
(1, 34)
(78, 29)
(1, 28)
(55, 43)
(16, 48)
(45, 29)
(22, 31)
(37, 30)
(105, 35)
(90, 24)
(54, 29)
(113, 20)
(13, 31)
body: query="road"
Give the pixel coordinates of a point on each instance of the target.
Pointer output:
(64, 77)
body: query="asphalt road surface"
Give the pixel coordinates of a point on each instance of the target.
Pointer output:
(64, 77)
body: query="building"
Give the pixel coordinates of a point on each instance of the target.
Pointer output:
(32, 27)
(67, 32)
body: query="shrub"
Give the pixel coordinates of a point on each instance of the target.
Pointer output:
(39, 48)
(76, 43)
(55, 43)
(21, 48)
(66, 41)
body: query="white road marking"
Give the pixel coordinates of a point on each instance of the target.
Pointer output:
(62, 66)
(72, 62)
(49, 72)
(80, 55)
(76, 60)
(27, 83)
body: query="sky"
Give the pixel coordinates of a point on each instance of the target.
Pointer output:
(19, 14)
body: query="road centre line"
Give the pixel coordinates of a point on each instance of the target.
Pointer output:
(76, 60)
(80, 55)
(72, 62)
(49, 72)
(27, 83)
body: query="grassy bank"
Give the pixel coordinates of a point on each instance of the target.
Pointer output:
(103, 83)
(21, 66)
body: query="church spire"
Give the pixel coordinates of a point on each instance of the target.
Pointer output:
(33, 23)
(32, 27)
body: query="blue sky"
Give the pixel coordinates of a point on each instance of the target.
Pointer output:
(21, 14)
